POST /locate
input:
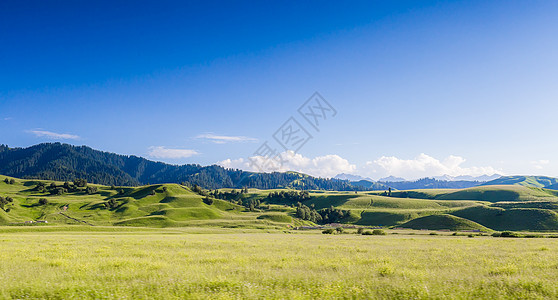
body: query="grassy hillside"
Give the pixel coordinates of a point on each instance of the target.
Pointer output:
(532, 181)
(162, 205)
(443, 221)
(506, 207)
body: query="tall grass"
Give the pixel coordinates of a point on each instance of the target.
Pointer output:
(273, 265)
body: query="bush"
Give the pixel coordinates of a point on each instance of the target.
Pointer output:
(360, 230)
(510, 234)
(208, 201)
(43, 201)
(496, 234)
(339, 229)
(12, 181)
(91, 190)
(471, 235)
(328, 231)
(165, 189)
(367, 232)
(378, 232)
(152, 193)
(433, 233)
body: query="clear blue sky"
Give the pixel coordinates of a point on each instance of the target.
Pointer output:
(421, 88)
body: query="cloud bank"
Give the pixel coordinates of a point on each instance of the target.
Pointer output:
(320, 166)
(330, 165)
(222, 139)
(54, 135)
(426, 166)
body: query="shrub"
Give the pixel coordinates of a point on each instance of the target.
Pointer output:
(360, 230)
(6, 180)
(208, 201)
(339, 229)
(433, 233)
(121, 191)
(43, 201)
(496, 234)
(367, 232)
(91, 190)
(471, 235)
(152, 193)
(328, 231)
(165, 189)
(378, 232)
(80, 182)
(510, 234)
(12, 181)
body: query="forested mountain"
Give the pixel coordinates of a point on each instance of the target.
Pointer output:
(431, 183)
(56, 161)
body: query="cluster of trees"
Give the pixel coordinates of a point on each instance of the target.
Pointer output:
(233, 195)
(288, 196)
(9, 181)
(54, 189)
(324, 216)
(111, 204)
(4, 201)
(306, 213)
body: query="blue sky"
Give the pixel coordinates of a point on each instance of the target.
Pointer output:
(420, 88)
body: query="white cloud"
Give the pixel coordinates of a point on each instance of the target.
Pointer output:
(163, 152)
(320, 166)
(54, 135)
(425, 166)
(221, 139)
(539, 164)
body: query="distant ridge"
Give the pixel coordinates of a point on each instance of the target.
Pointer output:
(532, 181)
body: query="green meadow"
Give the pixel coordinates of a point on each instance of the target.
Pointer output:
(486, 208)
(173, 242)
(211, 263)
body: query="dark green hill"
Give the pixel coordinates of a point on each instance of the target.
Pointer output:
(444, 221)
(370, 185)
(63, 162)
(498, 218)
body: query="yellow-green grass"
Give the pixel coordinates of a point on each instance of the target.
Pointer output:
(159, 265)
(496, 193)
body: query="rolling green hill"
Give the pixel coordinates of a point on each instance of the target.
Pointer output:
(161, 205)
(443, 221)
(505, 207)
(532, 181)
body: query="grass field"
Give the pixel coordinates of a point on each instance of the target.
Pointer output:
(204, 263)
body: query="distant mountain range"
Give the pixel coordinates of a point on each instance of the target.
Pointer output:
(482, 178)
(438, 182)
(392, 179)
